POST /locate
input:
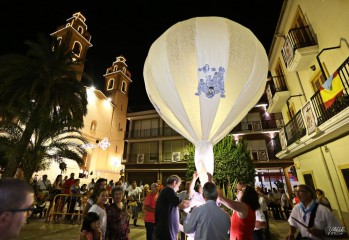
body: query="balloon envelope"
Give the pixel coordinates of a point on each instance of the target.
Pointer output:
(203, 75)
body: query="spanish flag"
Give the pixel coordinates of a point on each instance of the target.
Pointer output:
(331, 88)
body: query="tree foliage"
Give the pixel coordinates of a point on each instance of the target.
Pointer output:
(232, 162)
(40, 99)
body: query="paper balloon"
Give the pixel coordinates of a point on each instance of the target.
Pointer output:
(203, 75)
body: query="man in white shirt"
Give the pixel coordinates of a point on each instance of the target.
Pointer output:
(324, 223)
(44, 185)
(260, 224)
(91, 184)
(208, 221)
(134, 197)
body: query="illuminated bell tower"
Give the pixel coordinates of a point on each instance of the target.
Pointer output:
(117, 85)
(75, 36)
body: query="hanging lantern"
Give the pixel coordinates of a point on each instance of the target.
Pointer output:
(203, 75)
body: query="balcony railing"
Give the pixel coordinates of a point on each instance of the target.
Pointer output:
(295, 129)
(142, 158)
(322, 114)
(257, 126)
(296, 38)
(152, 132)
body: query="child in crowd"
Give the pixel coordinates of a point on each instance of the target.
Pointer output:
(90, 227)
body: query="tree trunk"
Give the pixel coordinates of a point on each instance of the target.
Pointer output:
(28, 173)
(10, 169)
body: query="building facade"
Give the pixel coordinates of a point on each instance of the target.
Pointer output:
(309, 63)
(153, 150)
(105, 122)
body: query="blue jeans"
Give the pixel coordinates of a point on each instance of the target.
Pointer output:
(135, 211)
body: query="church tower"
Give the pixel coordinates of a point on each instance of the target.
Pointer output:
(117, 85)
(75, 36)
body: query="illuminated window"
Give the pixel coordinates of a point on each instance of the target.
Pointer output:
(115, 67)
(77, 48)
(80, 30)
(59, 40)
(123, 69)
(123, 87)
(110, 84)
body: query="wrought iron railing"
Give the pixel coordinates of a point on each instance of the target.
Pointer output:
(321, 113)
(296, 38)
(152, 132)
(295, 129)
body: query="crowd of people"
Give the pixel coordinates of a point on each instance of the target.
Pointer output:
(177, 210)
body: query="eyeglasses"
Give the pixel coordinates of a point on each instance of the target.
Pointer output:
(29, 210)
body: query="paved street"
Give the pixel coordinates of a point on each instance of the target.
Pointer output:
(37, 228)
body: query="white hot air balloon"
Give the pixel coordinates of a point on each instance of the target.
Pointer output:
(203, 75)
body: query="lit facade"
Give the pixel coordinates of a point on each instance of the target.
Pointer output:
(311, 44)
(105, 122)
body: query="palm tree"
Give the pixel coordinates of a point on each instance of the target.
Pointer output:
(50, 142)
(38, 88)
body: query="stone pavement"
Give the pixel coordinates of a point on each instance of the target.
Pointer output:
(38, 229)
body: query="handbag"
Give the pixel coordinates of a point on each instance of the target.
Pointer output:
(132, 204)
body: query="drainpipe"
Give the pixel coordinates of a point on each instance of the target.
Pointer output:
(330, 48)
(300, 84)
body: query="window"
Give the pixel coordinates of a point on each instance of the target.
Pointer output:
(110, 84)
(123, 87)
(345, 172)
(59, 40)
(93, 126)
(77, 48)
(80, 30)
(308, 179)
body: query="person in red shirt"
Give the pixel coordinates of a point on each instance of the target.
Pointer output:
(243, 218)
(66, 186)
(149, 209)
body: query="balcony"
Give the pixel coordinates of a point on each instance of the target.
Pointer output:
(152, 132)
(300, 49)
(254, 127)
(331, 122)
(277, 93)
(154, 158)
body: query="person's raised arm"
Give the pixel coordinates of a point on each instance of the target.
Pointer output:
(85, 210)
(192, 184)
(240, 207)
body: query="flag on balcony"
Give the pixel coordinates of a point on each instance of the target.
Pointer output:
(331, 89)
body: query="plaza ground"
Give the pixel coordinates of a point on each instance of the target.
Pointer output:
(37, 229)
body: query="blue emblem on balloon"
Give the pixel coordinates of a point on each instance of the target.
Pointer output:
(211, 85)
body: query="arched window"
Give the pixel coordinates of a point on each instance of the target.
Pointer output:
(80, 30)
(123, 87)
(59, 40)
(115, 68)
(77, 48)
(123, 69)
(110, 84)
(93, 126)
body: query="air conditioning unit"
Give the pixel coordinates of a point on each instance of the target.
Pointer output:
(176, 156)
(140, 158)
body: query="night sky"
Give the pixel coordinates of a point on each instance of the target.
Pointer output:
(126, 28)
